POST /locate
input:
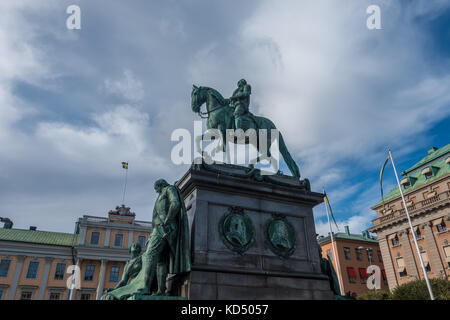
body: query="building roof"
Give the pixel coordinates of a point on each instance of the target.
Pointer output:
(346, 236)
(35, 236)
(436, 158)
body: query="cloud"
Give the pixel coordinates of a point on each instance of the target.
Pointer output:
(74, 104)
(128, 87)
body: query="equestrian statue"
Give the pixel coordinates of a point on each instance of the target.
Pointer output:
(233, 113)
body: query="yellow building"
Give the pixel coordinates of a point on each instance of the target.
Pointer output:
(34, 264)
(426, 187)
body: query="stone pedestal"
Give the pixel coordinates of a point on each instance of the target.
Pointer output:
(252, 236)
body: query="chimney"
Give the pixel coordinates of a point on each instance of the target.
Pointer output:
(33, 228)
(432, 150)
(347, 230)
(8, 224)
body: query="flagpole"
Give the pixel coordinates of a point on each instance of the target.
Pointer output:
(412, 230)
(125, 186)
(333, 250)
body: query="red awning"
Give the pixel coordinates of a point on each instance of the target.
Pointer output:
(351, 272)
(363, 273)
(383, 272)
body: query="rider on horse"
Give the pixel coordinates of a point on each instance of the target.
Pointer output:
(240, 101)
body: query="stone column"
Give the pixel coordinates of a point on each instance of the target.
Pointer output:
(107, 236)
(16, 277)
(130, 238)
(43, 285)
(387, 262)
(74, 291)
(411, 266)
(101, 280)
(433, 253)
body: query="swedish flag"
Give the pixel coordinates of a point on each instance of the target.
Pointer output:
(331, 210)
(381, 178)
(125, 165)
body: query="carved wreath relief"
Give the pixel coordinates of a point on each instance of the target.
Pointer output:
(236, 230)
(279, 235)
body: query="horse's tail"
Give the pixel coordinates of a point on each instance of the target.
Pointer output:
(287, 157)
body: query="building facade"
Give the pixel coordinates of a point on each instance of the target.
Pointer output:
(354, 253)
(426, 187)
(36, 265)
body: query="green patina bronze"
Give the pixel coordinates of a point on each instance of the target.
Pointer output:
(132, 268)
(279, 236)
(167, 250)
(233, 113)
(236, 230)
(327, 268)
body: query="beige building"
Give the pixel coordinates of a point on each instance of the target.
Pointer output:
(426, 187)
(34, 265)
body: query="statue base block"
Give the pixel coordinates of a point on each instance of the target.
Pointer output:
(138, 296)
(252, 237)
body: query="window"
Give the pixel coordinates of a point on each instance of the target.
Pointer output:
(118, 240)
(26, 295)
(363, 275)
(114, 274)
(441, 227)
(1, 294)
(95, 238)
(4, 267)
(32, 269)
(401, 267)
(89, 275)
(380, 257)
(141, 241)
(329, 253)
(85, 296)
(447, 254)
(351, 275)
(358, 254)
(370, 255)
(395, 241)
(425, 260)
(417, 233)
(347, 253)
(427, 172)
(54, 296)
(60, 271)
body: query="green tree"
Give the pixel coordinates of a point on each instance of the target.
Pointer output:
(417, 290)
(376, 295)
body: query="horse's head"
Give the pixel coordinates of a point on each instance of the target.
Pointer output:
(198, 97)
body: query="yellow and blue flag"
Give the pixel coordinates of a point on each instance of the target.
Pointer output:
(331, 210)
(125, 165)
(381, 178)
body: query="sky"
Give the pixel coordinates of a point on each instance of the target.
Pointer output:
(75, 103)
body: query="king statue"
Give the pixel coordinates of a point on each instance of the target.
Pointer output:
(240, 102)
(167, 250)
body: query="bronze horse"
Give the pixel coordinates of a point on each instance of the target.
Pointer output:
(220, 117)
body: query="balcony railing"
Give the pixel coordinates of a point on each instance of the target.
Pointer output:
(415, 207)
(93, 219)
